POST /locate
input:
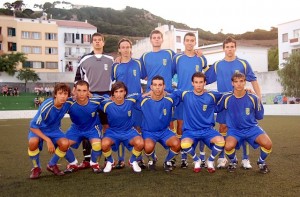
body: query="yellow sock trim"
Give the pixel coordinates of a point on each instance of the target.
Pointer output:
(136, 153)
(96, 146)
(224, 134)
(185, 145)
(60, 153)
(34, 152)
(229, 152)
(266, 150)
(220, 144)
(107, 154)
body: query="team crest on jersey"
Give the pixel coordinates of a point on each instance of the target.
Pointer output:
(93, 114)
(134, 73)
(197, 68)
(105, 67)
(204, 107)
(129, 113)
(165, 112)
(247, 111)
(164, 62)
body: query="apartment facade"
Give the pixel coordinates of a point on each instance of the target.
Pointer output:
(288, 40)
(45, 42)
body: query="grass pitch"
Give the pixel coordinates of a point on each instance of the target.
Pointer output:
(283, 180)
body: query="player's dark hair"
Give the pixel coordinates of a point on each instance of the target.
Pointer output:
(228, 40)
(199, 75)
(238, 75)
(61, 86)
(124, 40)
(156, 32)
(157, 77)
(118, 85)
(189, 34)
(82, 83)
(97, 34)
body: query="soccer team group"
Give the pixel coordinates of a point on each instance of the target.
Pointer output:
(107, 117)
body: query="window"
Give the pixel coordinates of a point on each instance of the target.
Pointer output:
(51, 36)
(296, 50)
(68, 51)
(12, 46)
(178, 51)
(0, 45)
(37, 65)
(178, 39)
(77, 50)
(36, 35)
(51, 65)
(26, 49)
(51, 50)
(11, 31)
(285, 37)
(36, 50)
(25, 34)
(77, 36)
(285, 55)
(0, 30)
(86, 38)
(297, 33)
(68, 37)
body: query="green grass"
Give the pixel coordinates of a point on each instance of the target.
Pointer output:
(22, 102)
(283, 180)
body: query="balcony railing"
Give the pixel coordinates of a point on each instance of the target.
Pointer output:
(295, 41)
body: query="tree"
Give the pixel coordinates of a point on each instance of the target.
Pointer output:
(273, 59)
(9, 62)
(27, 75)
(8, 5)
(290, 75)
(17, 5)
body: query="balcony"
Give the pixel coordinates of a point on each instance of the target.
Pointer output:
(295, 42)
(77, 43)
(73, 56)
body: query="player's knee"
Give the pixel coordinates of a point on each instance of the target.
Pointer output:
(175, 145)
(33, 144)
(268, 145)
(149, 147)
(63, 144)
(185, 145)
(105, 145)
(139, 143)
(96, 146)
(223, 129)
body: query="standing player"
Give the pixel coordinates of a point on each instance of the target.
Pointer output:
(221, 71)
(85, 125)
(95, 68)
(242, 112)
(45, 126)
(157, 114)
(129, 71)
(121, 130)
(158, 61)
(185, 65)
(198, 115)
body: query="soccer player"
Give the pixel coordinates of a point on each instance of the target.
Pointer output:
(95, 68)
(85, 125)
(221, 71)
(198, 116)
(185, 65)
(129, 71)
(242, 112)
(157, 115)
(45, 126)
(158, 61)
(119, 113)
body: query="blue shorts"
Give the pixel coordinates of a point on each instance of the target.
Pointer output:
(121, 136)
(137, 117)
(78, 135)
(248, 135)
(221, 117)
(204, 134)
(54, 135)
(178, 115)
(159, 136)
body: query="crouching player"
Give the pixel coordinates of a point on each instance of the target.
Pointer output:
(45, 126)
(198, 116)
(85, 125)
(121, 130)
(242, 112)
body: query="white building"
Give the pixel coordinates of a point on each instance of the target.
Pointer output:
(173, 39)
(288, 39)
(257, 56)
(74, 40)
